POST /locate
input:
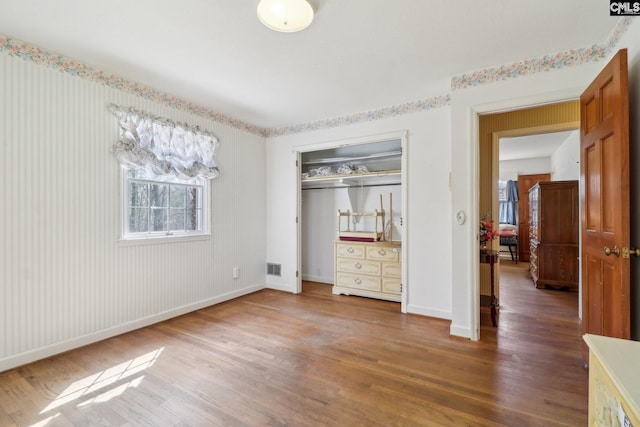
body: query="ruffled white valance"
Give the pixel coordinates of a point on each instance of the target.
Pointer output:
(162, 147)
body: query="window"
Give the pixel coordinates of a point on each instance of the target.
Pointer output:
(166, 168)
(168, 208)
(155, 208)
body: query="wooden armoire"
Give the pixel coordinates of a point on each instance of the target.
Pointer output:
(525, 182)
(553, 233)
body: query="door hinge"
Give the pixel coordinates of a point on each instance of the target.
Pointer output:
(296, 220)
(297, 273)
(296, 163)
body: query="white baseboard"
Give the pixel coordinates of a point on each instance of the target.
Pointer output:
(20, 359)
(426, 311)
(458, 331)
(283, 288)
(320, 279)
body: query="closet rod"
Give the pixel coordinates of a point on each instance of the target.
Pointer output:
(351, 186)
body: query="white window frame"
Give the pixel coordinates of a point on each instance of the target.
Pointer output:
(159, 237)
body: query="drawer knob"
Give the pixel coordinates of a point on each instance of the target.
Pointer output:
(350, 250)
(357, 280)
(358, 265)
(382, 252)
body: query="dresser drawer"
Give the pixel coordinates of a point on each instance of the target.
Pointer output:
(358, 281)
(392, 269)
(350, 265)
(391, 285)
(368, 269)
(346, 250)
(381, 253)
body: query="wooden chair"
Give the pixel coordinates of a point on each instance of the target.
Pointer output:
(510, 239)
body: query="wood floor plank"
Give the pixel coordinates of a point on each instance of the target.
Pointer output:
(317, 359)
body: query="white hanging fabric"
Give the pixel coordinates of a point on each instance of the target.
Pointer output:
(162, 147)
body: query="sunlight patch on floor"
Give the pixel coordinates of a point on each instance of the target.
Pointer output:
(114, 392)
(44, 422)
(84, 387)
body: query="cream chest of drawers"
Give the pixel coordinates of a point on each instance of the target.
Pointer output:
(614, 382)
(368, 269)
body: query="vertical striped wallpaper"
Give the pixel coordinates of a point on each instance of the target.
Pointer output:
(63, 276)
(547, 115)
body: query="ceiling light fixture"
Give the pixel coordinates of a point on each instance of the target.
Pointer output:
(286, 16)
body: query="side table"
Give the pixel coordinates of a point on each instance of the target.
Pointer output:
(491, 257)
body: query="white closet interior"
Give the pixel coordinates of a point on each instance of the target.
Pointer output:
(358, 178)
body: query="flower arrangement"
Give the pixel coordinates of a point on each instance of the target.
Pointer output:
(487, 232)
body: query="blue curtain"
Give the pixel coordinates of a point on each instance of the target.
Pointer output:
(508, 196)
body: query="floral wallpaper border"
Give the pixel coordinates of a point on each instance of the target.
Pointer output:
(368, 116)
(522, 68)
(29, 52)
(567, 58)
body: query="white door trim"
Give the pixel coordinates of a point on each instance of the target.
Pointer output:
(475, 111)
(297, 154)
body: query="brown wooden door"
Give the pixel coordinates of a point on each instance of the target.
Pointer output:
(604, 182)
(525, 182)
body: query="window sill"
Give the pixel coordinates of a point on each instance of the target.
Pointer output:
(161, 240)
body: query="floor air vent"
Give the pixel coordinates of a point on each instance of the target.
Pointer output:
(273, 269)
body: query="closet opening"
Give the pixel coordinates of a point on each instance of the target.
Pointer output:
(351, 232)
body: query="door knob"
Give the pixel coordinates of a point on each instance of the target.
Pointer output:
(634, 251)
(608, 251)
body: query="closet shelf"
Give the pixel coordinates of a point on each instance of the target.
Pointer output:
(351, 159)
(390, 177)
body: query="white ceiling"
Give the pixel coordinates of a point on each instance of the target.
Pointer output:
(532, 146)
(358, 55)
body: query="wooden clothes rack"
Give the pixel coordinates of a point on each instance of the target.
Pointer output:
(374, 235)
(375, 214)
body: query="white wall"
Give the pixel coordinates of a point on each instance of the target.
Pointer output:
(320, 223)
(318, 228)
(64, 279)
(544, 87)
(510, 169)
(451, 292)
(563, 164)
(557, 85)
(565, 161)
(427, 222)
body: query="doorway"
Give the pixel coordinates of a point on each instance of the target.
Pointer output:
(523, 162)
(564, 116)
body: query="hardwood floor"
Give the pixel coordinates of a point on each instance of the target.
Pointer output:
(314, 359)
